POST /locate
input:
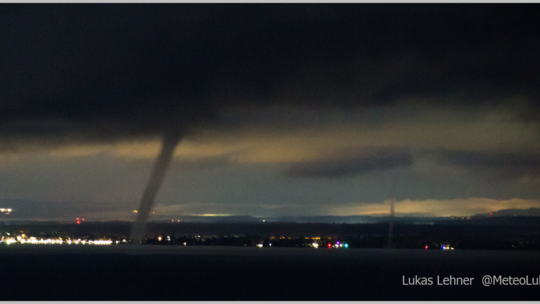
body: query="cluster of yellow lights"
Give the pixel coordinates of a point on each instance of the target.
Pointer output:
(59, 241)
(35, 241)
(135, 211)
(10, 241)
(90, 242)
(5, 209)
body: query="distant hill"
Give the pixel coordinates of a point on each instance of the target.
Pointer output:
(329, 219)
(512, 212)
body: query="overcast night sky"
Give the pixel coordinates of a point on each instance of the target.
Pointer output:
(282, 109)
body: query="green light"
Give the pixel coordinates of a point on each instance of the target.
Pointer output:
(346, 245)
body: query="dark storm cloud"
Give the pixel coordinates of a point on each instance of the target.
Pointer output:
(495, 164)
(351, 165)
(104, 72)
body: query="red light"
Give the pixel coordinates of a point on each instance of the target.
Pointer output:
(8, 213)
(83, 219)
(78, 223)
(329, 245)
(172, 220)
(77, 219)
(426, 247)
(490, 213)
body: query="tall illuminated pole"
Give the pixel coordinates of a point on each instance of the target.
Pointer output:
(391, 223)
(392, 204)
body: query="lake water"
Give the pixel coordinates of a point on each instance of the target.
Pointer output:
(60, 272)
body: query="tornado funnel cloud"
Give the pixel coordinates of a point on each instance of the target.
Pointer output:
(163, 161)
